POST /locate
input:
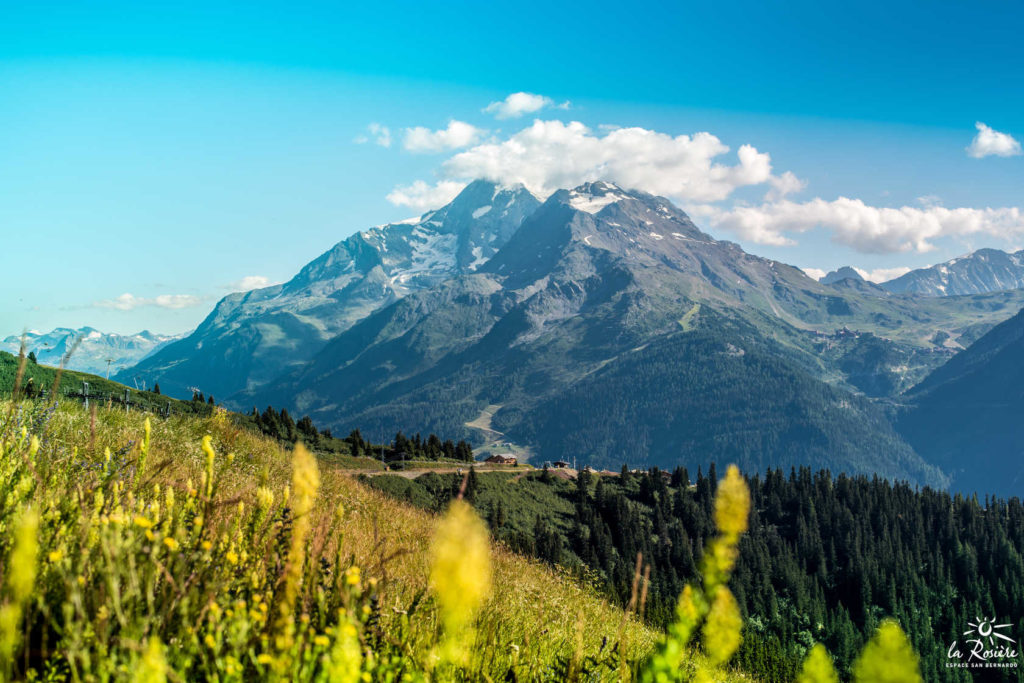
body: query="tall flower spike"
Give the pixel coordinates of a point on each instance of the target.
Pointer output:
(887, 658)
(732, 503)
(722, 629)
(152, 668)
(818, 667)
(305, 482)
(147, 429)
(22, 572)
(460, 573)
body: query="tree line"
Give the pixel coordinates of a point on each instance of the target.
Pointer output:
(825, 560)
(280, 425)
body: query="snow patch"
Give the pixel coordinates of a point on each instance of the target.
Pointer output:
(657, 236)
(478, 258)
(431, 252)
(593, 203)
(481, 211)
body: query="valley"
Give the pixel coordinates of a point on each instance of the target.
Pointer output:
(601, 324)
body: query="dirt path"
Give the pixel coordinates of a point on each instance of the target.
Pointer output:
(483, 423)
(413, 473)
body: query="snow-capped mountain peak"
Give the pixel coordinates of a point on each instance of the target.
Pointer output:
(93, 349)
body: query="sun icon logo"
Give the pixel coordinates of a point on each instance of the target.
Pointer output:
(988, 629)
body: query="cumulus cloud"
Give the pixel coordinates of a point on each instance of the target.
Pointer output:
(421, 195)
(989, 142)
(457, 134)
(379, 134)
(129, 302)
(783, 185)
(549, 155)
(868, 229)
(882, 274)
(250, 282)
(815, 273)
(520, 103)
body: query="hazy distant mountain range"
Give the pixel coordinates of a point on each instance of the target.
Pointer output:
(985, 270)
(93, 350)
(601, 324)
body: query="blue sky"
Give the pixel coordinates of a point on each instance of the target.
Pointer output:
(174, 151)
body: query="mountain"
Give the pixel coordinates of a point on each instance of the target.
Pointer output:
(612, 328)
(250, 338)
(985, 270)
(965, 417)
(93, 350)
(844, 273)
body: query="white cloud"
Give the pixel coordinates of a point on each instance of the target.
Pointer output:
(815, 273)
(783, 185)
(882, 274)
(867, 229)
(423, 196)
(380, 134)
(250, 282)
(989, 142)
(129, 302)
(519, 103)
(549, 155)
(457, 134)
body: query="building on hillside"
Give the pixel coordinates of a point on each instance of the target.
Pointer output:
(502, 459)
(560, 464)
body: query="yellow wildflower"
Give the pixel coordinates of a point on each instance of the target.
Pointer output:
(305, 481)
(264, 498)
(345, 660)
(143, 522)
(722, 629)
(352, 576)
(153, 667)
(818, 667)
(887, 658)
(460, 573)
(171, 544)
(732, 503)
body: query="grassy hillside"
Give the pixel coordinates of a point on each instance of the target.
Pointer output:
(180, 557)
(41, 378)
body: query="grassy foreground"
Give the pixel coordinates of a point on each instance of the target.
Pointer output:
(194, 549)
(204, 551)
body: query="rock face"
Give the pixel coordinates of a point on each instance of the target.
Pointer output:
(251, 338)
(92, 350)
(844, 273)
(985, 270)
(602, 323)
(611, 328)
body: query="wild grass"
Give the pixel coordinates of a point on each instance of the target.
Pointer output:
(150, 548)
(136, 548)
